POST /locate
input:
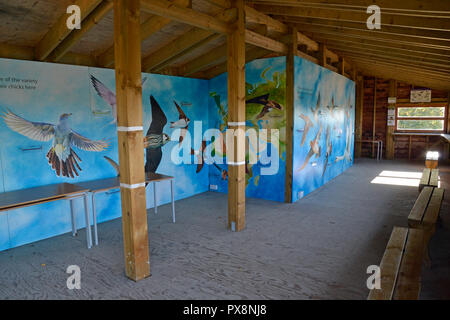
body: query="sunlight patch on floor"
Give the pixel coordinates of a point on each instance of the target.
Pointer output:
(398, 178)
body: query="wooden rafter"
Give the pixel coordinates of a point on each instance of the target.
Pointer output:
(59, 31)
(373, 35)
(408, 6)
(185, 15)
(93, 19)
(148, 28)
(183, 44)
(436, 21)
(387, 29)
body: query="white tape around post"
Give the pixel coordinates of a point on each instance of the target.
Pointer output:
(130, 129)
(132, 186)
(236, 124)
(232, 163)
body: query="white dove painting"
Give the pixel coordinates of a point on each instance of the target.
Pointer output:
(61, 156)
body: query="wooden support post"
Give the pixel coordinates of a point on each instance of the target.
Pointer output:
(127, 47)
(322, 55)
(290, 85)
(447, 145)
(374, 114)
(390, 143)
(236, 114)
(341, 66)
(359, 114)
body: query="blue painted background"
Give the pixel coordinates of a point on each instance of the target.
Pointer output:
(67, 89)
(257, 73)
(310, 80)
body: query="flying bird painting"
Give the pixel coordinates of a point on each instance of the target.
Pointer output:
(315, 149)
(114, 164)
(223, 172)
(61, 156)
(155, 138)
(264, 101)
(333, 109)
(107, 95)
(328, 150)
(316, 111)
(199, 154)
(182, 123)
(308, 125)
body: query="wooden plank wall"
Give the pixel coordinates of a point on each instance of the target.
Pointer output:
(401, 143)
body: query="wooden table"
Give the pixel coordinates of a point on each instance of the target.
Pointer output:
(104, 185)
(379, 147)
(32, 196)
(411, 134)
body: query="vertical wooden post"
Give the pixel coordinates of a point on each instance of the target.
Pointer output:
(127, 50)
(342, 66)
(390, 143)
(447, 145)
(374, 114)
(236, 115)
(359, 114)
(322, 55)
(290, 85)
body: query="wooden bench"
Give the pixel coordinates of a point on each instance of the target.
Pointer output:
(430, 177)
(401, 266)
(425, 213)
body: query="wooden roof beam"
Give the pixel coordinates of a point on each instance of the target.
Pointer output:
(436, 22)
(92, 20)
(59, 31)
(384, 45)
(351, 25)
(407, 6)
(183, 43)
(391, 53)
(254, 16)
(438, 68)
(185, 15)
(372, 34)
(8, 51)
(148, 28)
(402, 75)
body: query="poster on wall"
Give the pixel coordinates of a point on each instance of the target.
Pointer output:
(420, 96)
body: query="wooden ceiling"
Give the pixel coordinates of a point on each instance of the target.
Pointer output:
(188, 37)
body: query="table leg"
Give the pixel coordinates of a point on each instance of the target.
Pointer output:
(88, 223)
(378, 151)
(173, 201)
(94, 217)
(381, 153)
(154, 197)
(74, 220)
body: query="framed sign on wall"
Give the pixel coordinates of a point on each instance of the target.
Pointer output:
(420, 96)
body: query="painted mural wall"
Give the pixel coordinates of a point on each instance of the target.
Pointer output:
(324, 116)
(265, 109)
(58, 125)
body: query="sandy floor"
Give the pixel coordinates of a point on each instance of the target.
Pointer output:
(317, 248)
